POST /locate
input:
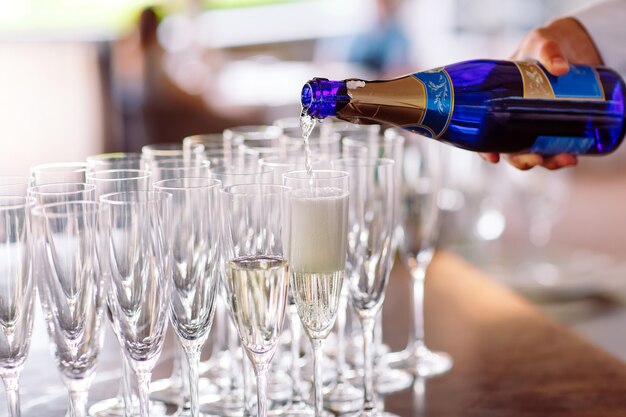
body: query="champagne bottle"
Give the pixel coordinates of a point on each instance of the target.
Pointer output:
(487, 106)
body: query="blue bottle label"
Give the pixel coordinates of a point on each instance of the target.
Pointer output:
(439, 102)
(580, 83)
(552, 145)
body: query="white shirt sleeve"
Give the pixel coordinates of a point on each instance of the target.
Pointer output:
(605, 21)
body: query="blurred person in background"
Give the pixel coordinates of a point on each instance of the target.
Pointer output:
(592, 36)
(154, 108)
(384, 49)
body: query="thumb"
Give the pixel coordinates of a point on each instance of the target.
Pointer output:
(551, 56)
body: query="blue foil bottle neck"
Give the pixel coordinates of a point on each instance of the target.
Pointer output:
(321, 97)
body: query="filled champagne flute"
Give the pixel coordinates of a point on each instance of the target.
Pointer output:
(138, 258)
(233, 402)
(317, 255)
(256, 241)
(17, 292)
(195, 243)
(71, 290)
(370, 253)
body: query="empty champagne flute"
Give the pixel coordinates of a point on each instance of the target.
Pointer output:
(71, 291)
(108, 181)
(210, 141)
(115, 160)
(195, 243)
(138, 258)
(111, 181)
(62, 192)
(17, 292)
(255, 136)
(172, 168)
(317, 255)
(421, 184)
(14, 185)
(59, 172)
(256, 239)
(370, 253)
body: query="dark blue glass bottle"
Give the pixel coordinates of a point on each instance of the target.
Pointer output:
(487, 106)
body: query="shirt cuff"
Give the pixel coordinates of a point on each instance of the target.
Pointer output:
(606, 24)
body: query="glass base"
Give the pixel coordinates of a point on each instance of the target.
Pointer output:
(162, 390)
(386, 380)
(343, 397)
(370, 413)
(299, 409)
(420, 361)
(230, 405)
(114, 407)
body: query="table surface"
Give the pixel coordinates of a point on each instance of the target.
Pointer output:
(510, 359)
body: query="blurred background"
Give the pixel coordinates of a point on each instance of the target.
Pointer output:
(81, 77)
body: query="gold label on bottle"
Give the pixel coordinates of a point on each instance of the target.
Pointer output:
(536, 83)
(580, 83)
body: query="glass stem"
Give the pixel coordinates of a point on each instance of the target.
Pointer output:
(368, 363)
(296, 332)
(318, 357)
(143, 383)
(417, 281)
(78, 403)
(127, 389)
(233, 349)
(11, 384)
(260, 370)
(193, 358)
(341, 336)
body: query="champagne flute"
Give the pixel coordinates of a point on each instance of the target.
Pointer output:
(114, 160)
(71, 290)
(195, 243)
(14, 185)
(107, 181)
(297, 406)
(64, 172)
(233, 401)
(319, 232)
(255, 136)
(210, 141)
(17, 292)
(389, 145)
(138, 259)
(111, 181)
(172, 168)
(370, 252)
(256, 238)
(422, 180)
(62, 192)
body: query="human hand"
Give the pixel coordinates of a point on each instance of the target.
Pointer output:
(557, 45)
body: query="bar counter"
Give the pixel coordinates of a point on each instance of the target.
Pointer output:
(509, 359)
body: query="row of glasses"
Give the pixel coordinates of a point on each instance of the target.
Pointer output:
(255, 173)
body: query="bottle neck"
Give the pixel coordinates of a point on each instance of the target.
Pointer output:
(322, 97)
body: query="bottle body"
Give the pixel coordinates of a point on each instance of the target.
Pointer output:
(488, 106)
